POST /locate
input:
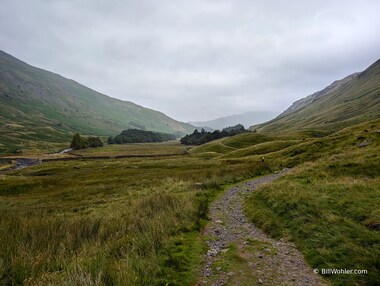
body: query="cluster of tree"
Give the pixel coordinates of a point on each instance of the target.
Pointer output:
(80, 142)
(198, 138)
(140, 136)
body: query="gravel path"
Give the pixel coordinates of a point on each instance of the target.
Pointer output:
(262, 260)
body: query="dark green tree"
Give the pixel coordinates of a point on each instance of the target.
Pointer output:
(198, 138)
(76, 143)
(94, 142)
(79, 142)
(140, 136)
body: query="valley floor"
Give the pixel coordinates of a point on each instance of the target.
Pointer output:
(154, 214)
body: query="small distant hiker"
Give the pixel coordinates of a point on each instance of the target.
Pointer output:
(265, 164)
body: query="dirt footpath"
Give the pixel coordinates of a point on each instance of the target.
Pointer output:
(241, 254)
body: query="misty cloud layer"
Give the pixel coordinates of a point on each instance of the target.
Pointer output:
(200, 59)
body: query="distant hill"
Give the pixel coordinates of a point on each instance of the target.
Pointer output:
(37, 107)
(351, 100)
(247, 119)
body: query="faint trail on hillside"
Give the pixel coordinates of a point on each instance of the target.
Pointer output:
(265, 261)
(224, 145)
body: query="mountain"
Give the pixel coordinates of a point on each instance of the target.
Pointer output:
(247, 119)
(40, 106)
(351, 100)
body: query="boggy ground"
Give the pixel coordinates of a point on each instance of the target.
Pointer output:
(241, 254)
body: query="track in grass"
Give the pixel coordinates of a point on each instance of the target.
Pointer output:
(241, 254)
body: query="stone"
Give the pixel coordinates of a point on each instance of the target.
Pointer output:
(212, 252)
(363, 144)
(207, 272)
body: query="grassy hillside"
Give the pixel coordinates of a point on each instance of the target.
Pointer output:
(329, 206)
(349, 101)
(329, 203)
(39, 106)
(247, 144)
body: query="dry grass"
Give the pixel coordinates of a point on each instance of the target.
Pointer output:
(329, 206)
(108, 222)
(136, 221)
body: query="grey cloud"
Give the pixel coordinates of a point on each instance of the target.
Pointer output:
(200, 59)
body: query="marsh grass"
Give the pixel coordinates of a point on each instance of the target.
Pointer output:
(109, 222)
(171, 147)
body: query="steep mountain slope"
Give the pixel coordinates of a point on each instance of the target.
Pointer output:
(348, 101)
(247, 119)
(37, 105)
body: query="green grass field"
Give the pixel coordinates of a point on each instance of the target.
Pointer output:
(138, 221)
(166, 148)
(109, 222)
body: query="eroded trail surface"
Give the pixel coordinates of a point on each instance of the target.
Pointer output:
(241, 254)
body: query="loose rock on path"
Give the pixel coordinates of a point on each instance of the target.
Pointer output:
(260, 260)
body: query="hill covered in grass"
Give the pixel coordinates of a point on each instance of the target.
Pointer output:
(346, 102)
(40, 108)
(328, 204)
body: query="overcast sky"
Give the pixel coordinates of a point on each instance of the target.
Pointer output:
(196, 59)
